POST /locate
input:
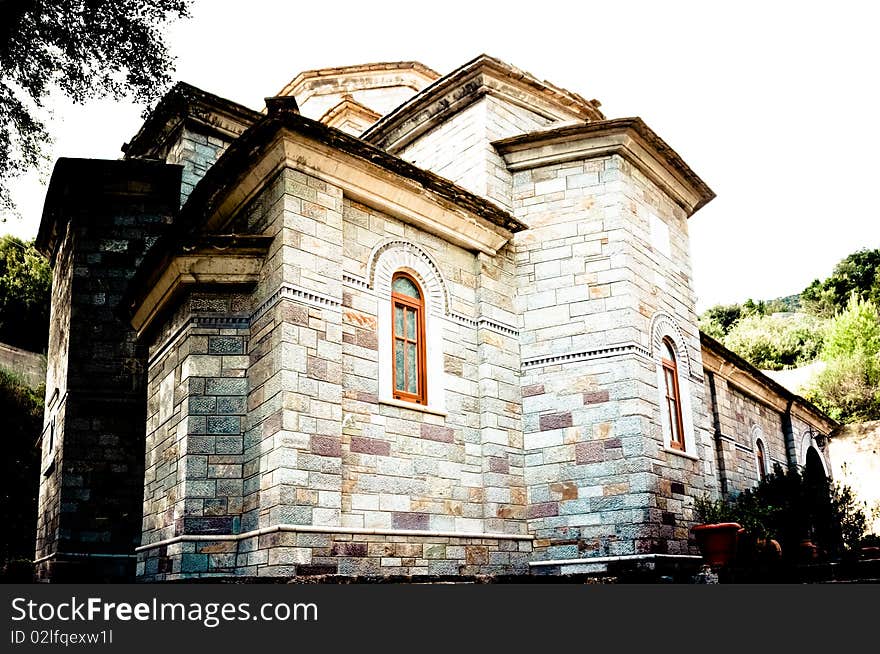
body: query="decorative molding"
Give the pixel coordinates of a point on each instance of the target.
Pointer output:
(213, 260)
(222, 322)
(83, 555)
(392, 255)
(736, 443)
(756, 433)
(662, 326)
(363, 173)
(298, 294)
(496, 326)
(485, 323)
(586, 355)
(208, 322)
(463, 320)
(479, 77)
(354, 280)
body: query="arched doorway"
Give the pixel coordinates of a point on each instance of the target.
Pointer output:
(814, 470)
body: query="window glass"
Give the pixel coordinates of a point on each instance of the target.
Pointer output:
(408, 339)
(405, 286)
(667, 350)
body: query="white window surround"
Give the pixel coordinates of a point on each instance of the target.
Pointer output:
(663, 326)
(386, 259)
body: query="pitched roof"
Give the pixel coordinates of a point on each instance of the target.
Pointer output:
(455, 91)
(186, 102)
(709, 343)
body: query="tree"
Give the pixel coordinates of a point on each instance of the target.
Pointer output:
(848, 389)
(717, 321)
(22, 411)
(25, 281)
(86, 49)
(775, 342)
(857, 273)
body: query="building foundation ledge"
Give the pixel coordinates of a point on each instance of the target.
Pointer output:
(603, 564)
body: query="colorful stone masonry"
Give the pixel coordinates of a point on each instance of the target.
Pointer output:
(220, 394)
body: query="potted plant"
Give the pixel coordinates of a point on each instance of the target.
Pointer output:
(756, 542)
(716, 533)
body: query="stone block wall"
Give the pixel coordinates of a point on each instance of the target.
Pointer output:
(601, 480)
(321, 449)
(196, 152)
(454, 469)
(196, 405)
(49, 500)
(107, 214)
(659, 265)
(744, 419)
(31, 366)
(290, 553)
(460, 148)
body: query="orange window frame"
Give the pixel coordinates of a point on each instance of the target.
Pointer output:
(418, 307)
(673, 402)
(762, 464)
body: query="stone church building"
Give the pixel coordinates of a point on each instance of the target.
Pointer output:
(396, 323)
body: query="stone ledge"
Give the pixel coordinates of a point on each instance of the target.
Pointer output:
(335, 530)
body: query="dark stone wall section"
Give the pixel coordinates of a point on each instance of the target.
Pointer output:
(113, 211)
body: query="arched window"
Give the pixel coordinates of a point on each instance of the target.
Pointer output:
(761, 458)
(408, 339)
(675, 435)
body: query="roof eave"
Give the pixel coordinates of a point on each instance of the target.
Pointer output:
(630, 137)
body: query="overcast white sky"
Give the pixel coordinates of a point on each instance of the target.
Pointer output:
(772, 103)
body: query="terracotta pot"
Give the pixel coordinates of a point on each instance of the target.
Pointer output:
(717, 542)
(807, 550)
(770, 549)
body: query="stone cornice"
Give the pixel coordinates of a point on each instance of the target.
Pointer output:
(284, 139)
(211, 260)
(311, 82)
(366, 174)
(740, 373)
(338, 114)
(185, 104)
(83, 187)
(630, 138)
(460, 88)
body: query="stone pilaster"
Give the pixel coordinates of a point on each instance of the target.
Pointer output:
(498, 364)
(295, 376)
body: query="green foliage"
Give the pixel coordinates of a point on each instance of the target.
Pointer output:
(752, 308)
(753, 514)
(710, 511)
(718, 320)
(857, 273)
(22, 411)
(848, 389)
(791, 505)
(25, 281)
(773, 342)
(85, 49)
(850, 514)
(853, 330)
